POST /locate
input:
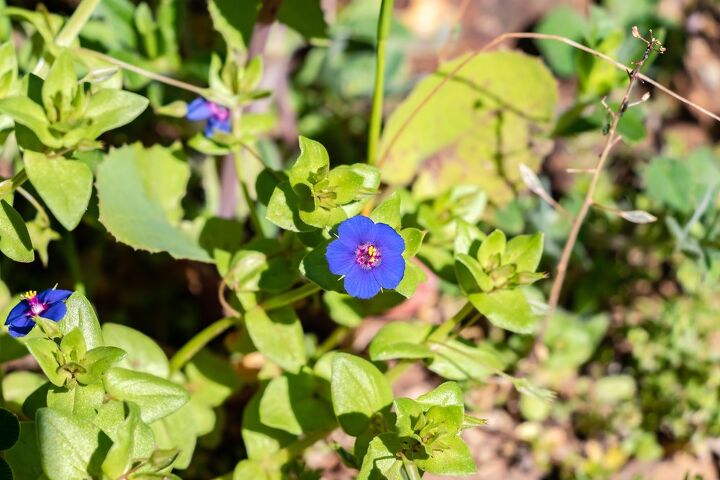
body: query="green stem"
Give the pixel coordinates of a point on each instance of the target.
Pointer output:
(438, 336)
(73, 261)
(337, 336)
(196, 343)
(9, 185)
(203, 92)
(251, 205)
(288, 298)
(410, 469)
(76, 22)
(383, 32)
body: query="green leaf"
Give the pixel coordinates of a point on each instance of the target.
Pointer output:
(288, 404)
(155, 396)
(305, 17)
(97, 361)
(28, 113)
(359, 392)
(81, 314)
(315, 267)
(24, 456)
(284, 209)
(400, 340)
(388, 211)
(60, 86)
(457, 360)
(14, 237)
(10, 428)
(492, 246)
(343, 309)
(567, 22)
(470, 275)
(524, 251)
(260, 440)
(211, 379)
(131, 202)
(453, 458)
(508, 309)
(670, 182)
(380, 461)
(11, 348)
(478, 128)
(413, 241)
(143, 354)
(45, 351)
(81, 401)
(311, 166)
(109, 109)
(444, 395)
(278, 335)
(64, 185)
(120, 456)
(414, 276)
(234, 20)
(69, 447)
(177, 432)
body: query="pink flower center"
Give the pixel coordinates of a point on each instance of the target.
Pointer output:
(368, 256)
(36, 306)
(219, 112)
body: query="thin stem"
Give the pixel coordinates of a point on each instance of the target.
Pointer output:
(410, 468)
(383, 32)
(11, 184)
(540, 36)
(612, 139)
(438, 336)
(76, 22)
(288, 298)
(251, 205)
(33, 201)
(203, 92)
(332, 341)
(196, 343)
(71, 256)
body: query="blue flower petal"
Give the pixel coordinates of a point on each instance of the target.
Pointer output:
(20, 331)
(361, 283)
(55, 312)
(390, 271)
(19, 313)
(388, 241)
(340, 257)
(52, 295)
(198, 109)
(356, 231)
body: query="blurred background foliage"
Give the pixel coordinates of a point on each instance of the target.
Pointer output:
(634, 355)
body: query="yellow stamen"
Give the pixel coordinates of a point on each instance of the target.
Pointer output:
(30, 294)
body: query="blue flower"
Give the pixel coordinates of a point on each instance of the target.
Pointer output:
(217, 116)
(368, 255)
(48, 304)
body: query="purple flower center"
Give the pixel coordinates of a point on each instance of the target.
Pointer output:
(36, 306)
(368, 256)
(219, 112)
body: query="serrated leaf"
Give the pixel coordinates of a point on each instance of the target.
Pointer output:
(64, 185)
